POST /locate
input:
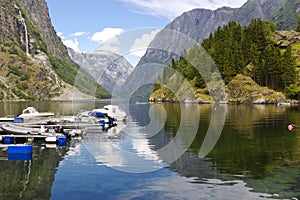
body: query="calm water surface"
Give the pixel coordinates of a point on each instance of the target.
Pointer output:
(253, 157)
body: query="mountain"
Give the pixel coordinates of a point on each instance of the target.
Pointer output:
(107, 68)
(198, 24)
(190, 28)
(34, 62)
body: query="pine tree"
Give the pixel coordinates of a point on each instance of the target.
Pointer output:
(298, 27)
(289, 75)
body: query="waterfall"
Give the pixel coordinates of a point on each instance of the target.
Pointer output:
(25, 28)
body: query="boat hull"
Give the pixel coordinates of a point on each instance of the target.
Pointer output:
(12, 129)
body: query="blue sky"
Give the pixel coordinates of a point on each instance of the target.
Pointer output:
(84, 25)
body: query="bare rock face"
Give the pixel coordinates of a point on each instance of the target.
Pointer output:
(286, 38)
(242, 89)
(107, 68)
(37, 12)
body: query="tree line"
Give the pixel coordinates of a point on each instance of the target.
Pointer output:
(235, 49)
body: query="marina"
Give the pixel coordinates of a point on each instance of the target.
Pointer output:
(32, 125)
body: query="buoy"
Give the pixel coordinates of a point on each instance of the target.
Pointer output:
(290, 127)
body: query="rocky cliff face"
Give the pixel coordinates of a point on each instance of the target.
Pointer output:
(37, 12)
(40, 30)
(242, 89)
(10, 23)
(107, 68)
(26, 72)
(34, 63)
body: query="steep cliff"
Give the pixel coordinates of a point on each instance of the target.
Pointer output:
(37, 12)
(34, 62)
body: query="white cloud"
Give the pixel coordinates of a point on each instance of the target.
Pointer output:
(110, 48)
(172, 9)
(140, 45)
(60, 34)
(77, 34)
(72, 43)
(71, 40)
(106, 33)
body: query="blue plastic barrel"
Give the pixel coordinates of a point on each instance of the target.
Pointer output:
(62, 141)
(8, 140)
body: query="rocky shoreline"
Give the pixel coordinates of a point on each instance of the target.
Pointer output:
(241, 90)
(260, 101)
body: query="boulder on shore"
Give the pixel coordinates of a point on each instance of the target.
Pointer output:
(242, 89)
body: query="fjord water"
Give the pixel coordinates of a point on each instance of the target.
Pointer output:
(255, 156)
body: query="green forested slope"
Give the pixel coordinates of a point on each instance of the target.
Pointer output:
(249, 51)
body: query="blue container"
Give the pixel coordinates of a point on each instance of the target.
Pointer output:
(8, 140)
(111, 122)
(20, 156)
(19, 149)
(18, 120)
(62, 141)
(103, 124)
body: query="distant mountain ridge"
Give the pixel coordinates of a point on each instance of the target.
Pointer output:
(107, 68)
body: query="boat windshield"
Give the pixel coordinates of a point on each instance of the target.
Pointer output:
(30, 110)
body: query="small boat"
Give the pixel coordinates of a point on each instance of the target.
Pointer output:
(32, 112)
(93, 117)
(113, 111)
(284, 104)
(11, 128)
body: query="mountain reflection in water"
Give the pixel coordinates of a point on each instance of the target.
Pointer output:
(253, 153)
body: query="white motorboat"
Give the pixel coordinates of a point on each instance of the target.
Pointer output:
(113, 111)
(284, 104)
(32, 112)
